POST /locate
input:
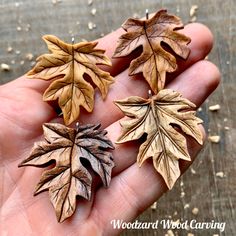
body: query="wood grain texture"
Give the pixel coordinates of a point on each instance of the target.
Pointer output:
(214, 196)
(67, 66)
(155, 61)
(156, 117)
(69, 177)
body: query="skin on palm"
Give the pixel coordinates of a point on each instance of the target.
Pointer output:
(23, 112)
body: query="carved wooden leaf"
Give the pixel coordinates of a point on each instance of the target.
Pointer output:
(70, 178)
(158, 117)
(154, 61)
(67, 65)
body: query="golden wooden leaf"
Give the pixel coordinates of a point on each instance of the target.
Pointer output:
(158, 117)
(155, 60)
(70, 178)
(67, 65)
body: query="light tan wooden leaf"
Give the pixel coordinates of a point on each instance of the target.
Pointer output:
(70, 178)
(158, 117)
(155, 60)
(67, 65)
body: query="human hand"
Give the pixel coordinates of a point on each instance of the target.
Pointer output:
(22, 113)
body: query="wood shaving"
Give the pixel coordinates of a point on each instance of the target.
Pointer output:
(22, 62)
(226, 127)
(54, 2)
(193, 19)
(214, 138)
(193, 10)
(9, 49)
(176, 222)
(199, 109)
(170, 233)
(192, 13)
(186, 206)
(190, 234)
(18, 28)
(195, 210)
(5, 67)
(214, 107)
(94, 11)
(91, 25)
(18, 52)
(154, 206)
(29, 56)
(90, 2)
(28, 27)
(225, 119)
(220, 174)
(193, 171)
(177, 9)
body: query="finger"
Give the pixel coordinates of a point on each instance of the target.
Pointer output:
(195, 84)
(130, 193)
(200, 79)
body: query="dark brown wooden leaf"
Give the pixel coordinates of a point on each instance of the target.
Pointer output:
(69, 178)
(67, 65)
(154, 61)
(155, 117)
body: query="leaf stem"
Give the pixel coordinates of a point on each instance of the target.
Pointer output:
(147, 14)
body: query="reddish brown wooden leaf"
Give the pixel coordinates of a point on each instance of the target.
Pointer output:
(154, 61)
(155, 117)
(69, 178)
(67, 65)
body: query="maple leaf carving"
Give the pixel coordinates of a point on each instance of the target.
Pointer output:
(67, 65)
(155, 60)
(70, 178)
(158, 117)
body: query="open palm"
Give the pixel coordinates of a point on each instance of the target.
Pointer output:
(22, 113)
